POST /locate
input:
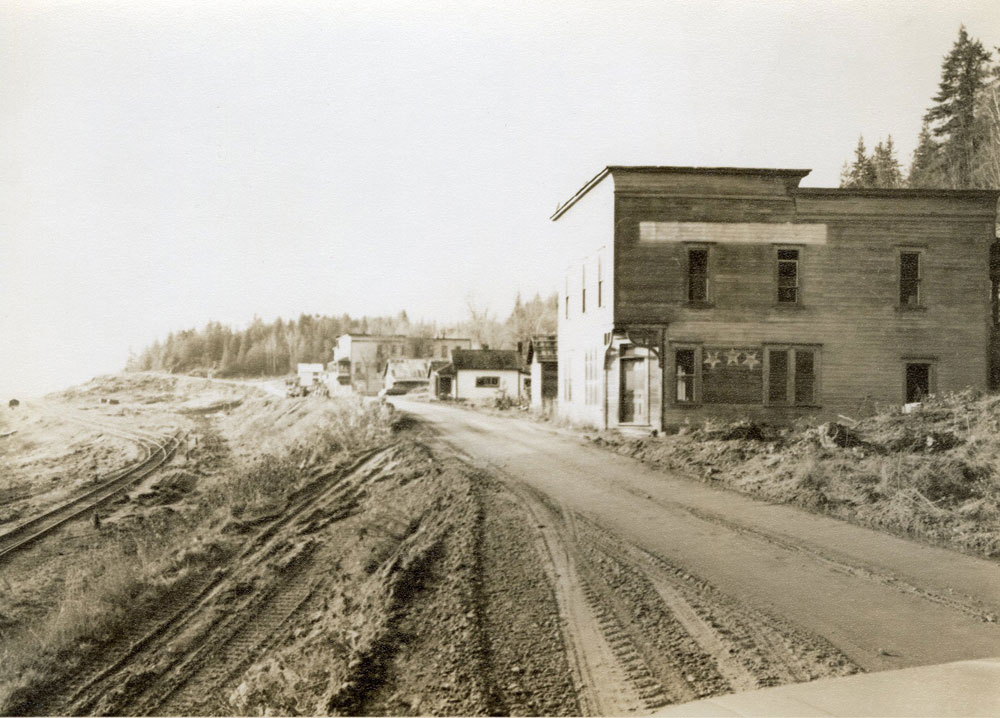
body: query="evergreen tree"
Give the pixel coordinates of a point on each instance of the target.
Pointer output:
(886, 165)
(953, 115)
(925, 167)
(861, 172)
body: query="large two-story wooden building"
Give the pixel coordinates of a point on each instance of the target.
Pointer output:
(731, 292)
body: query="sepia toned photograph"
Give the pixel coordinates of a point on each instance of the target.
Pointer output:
(559, 358)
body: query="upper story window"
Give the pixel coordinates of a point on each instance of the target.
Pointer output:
(697, 275)
(600, 283)
(909, 279)
(788, 276)
(583, 289)
(567, 297)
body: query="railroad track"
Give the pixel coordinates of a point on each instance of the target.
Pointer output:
(127, 684)
(157, 450)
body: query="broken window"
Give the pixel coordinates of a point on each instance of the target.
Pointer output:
(792, 374)
(805, 377)
(487, 381)
(697, 275)
(777, 376)
(918, 382)
(909, 279)
(788, 276)
(685, 372)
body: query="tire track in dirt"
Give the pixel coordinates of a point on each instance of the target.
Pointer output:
(149, 670)
(641, 633)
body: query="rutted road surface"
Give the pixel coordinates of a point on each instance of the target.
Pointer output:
(671, 589)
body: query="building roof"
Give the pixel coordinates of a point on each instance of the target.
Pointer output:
(406, 369)
(436, 365)
(544, 346)
(494, 359)
(447, 370)
(790, 174)
(795, 174)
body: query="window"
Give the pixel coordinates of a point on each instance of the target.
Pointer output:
(788, 276)
(909, 279)
(567, 298)
(583, 289)
(995, 282)
(918, 381)
(487, 381)
(600, 283)
(684, 363)
(792, 374)
(697, 275)
(777, 376)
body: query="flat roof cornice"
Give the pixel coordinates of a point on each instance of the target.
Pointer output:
(796, 174)
(900, 193)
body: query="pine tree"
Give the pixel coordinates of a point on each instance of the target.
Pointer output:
(861, 172)
(925, 167)
(953, 116)
(886, 165)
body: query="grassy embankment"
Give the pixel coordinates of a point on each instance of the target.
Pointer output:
(933, 474)
(115, 584)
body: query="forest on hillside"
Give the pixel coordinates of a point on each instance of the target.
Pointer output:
(274, 349)
(959, 142)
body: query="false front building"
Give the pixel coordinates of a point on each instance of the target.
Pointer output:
(730, 292)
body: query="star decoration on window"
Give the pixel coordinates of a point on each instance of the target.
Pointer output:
(732, 357)
(712, 359)
(750, 360)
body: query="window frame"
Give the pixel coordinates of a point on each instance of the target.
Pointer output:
(778, 249)
(921, 300)
(488, 382)
(932, 367)
(600, 282)
(695, 347)
(690, 248)
(790, 399)
(583, 289)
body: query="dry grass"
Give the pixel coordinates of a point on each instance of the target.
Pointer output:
(116, 585)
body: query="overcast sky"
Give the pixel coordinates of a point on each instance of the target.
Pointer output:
(163, 164)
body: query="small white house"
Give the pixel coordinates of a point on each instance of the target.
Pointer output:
(543, 358)
(485, 374)
(310, 374)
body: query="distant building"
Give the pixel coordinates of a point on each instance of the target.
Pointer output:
(359, 360)
(543, 362)
(729, 292)
(410, 374)
(310, 374)
(483, 374)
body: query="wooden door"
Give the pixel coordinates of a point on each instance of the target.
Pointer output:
(632, 407)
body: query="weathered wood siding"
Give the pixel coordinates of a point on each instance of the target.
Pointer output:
(849, 285)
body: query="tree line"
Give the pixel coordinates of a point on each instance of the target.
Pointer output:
(275, 348)
(959, 142)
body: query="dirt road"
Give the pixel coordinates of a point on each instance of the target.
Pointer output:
(759, 593)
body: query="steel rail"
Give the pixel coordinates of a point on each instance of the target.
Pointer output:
(158, 449)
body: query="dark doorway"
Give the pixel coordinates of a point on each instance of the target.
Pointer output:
(444, 386)
(632, 407)
(918, 382)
